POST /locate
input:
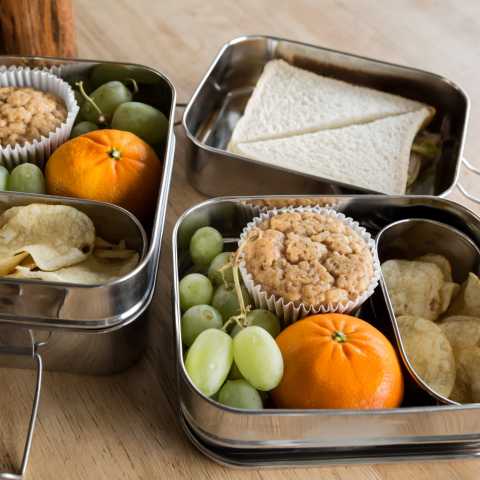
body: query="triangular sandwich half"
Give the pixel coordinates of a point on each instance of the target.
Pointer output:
(373, 156)
(289, 101)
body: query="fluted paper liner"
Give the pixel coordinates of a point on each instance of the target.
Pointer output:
(39, 151)
(288, 313)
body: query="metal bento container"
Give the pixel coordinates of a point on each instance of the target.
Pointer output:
(92, 329)
(220, 100)
(420, 430)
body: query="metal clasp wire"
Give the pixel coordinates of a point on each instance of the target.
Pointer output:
(33, 417)
(475, 170)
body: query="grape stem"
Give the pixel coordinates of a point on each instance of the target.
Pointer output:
(225, 267)
(135, 86)
(102, 118)
(235, 264)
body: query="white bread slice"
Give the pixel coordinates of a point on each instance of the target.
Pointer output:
(289, 101)
(373, 156)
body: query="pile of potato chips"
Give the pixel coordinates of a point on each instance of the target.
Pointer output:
(57, 243)
(439, 322)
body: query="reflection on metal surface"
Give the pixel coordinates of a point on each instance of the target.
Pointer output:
(223, 93)
(411, 238)
(233, 431)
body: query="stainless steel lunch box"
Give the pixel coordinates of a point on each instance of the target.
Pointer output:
(419, 431)
(223, 93)
(96, 329)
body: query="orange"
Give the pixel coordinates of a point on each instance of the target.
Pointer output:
(107, 165)
(337, 361)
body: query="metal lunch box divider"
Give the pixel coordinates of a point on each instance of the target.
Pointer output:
(92, 329)
(277, 438)
(220, 99)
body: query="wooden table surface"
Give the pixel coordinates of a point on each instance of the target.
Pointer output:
(125, 426)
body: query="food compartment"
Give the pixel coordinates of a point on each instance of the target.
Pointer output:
(420, 241)
(221, 97)
(219, 428)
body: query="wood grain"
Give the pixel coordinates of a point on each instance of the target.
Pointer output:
(38, 27)
(125, 426)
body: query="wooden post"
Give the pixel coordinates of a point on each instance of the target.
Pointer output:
(38, 28)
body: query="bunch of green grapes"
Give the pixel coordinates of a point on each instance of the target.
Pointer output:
(235, 369)
(107, 101)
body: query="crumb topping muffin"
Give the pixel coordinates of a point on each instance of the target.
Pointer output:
(310, 259)
(27, 113)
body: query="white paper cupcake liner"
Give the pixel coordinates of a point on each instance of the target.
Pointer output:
(287, 312)
(38, 152)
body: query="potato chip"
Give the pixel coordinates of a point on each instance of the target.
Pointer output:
(464, 338)
(100, 243)
(91, 271)
(429, 353)
(56, 236)
(8, 264)
(458, 318)
(440, 261)
(449, 291)
(467, 302)
(415, 288)
(28, 263)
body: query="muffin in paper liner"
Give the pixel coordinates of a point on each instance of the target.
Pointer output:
(39, 151)
(288, 313)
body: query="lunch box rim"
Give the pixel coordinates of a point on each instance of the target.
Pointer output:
(246, 38)
(283, 412)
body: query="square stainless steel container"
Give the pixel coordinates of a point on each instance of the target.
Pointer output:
(220, 99)
(419, 431)
(90, 328)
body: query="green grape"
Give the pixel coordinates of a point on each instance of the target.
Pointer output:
(258, 358)
(72, 80)
(4, 178)
(103, 74)
(107, 73)
(262, 318)
(148, 123)
(107, 98)
(217, 264)
(143, 75)
(79, 98)
(195, 289)
(216, 396)
(190, 225)
(235, 373)
(205, 245)
(263, 395)
(197, 319)
(79, 118)
(240, 394)
(83, 127)
(226, 301)
(209, 360)
(27, 178)
(185, 354)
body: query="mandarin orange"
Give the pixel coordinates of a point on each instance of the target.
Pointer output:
(107, 165)
(337, 361)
